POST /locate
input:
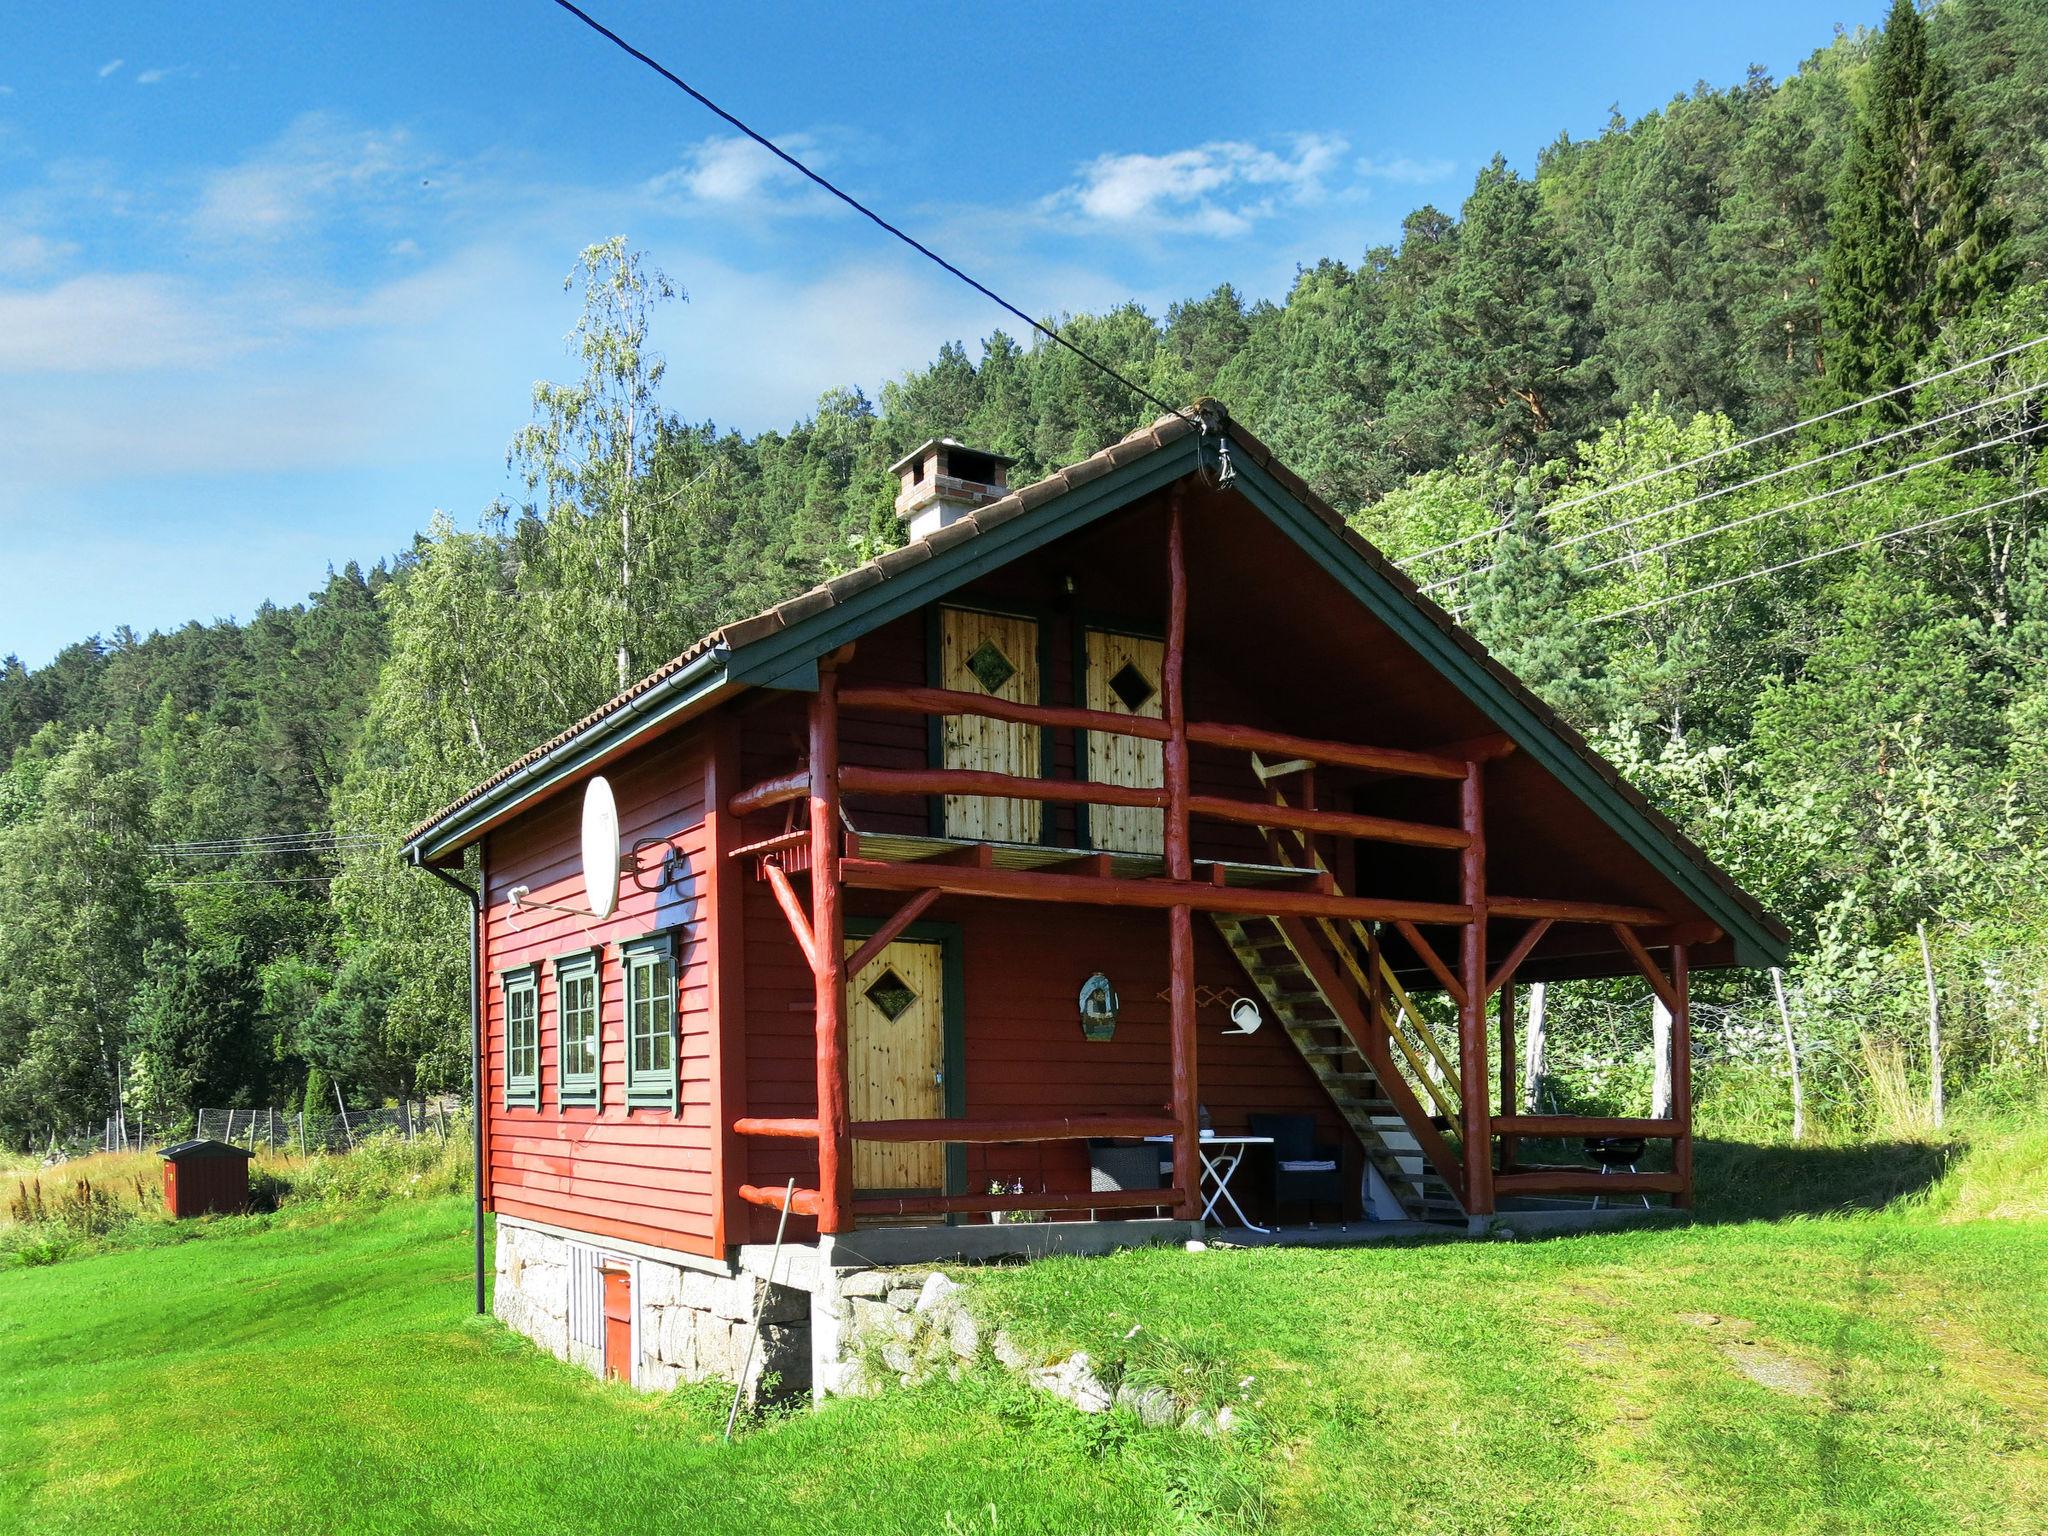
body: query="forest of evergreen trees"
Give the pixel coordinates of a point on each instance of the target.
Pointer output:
(1862, 738)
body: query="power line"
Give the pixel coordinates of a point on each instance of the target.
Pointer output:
(1719, 453)
(1794, 506)
(863, 210)
(1772, 570)
(1756, 480)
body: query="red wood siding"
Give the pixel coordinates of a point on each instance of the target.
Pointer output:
(642, 1174)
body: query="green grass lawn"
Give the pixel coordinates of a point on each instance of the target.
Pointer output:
(1879, 1372)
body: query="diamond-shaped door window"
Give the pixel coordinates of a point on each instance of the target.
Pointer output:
(991, 668)
(1133, 687)
(891, 994)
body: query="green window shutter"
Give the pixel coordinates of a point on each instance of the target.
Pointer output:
(650, 966)
(578, 1055)
(522, 1037)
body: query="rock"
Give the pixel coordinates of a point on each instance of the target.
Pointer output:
(1007, 1354)
(661, 1285)
(1196, 1245)
(871, 1318)
(869, 1283)
(1075, 1380)
(1226, 1419)
(964, 1334)
(938, 1294)
(903, 1297)
(1154, 1406)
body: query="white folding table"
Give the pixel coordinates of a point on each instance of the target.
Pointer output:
(1221, 1156)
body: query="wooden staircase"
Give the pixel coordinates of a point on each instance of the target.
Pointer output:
(1293, 986)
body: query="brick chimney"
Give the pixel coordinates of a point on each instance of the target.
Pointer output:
(944, 481)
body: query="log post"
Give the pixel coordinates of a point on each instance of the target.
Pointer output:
(828, 961)
(1475, 1109)
(1508, 1104)
(1681, 1075)
(1180, 919)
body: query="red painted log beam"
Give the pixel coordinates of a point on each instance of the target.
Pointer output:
(1338, 754)
(1378, 829)
(952, 701)
(1584, 1125)
(1575, 911)
(1048, 1128)
(1652, 972)
(799, 924)
(891, 930)
(857, 780)
(1063, 1200)
(758, 1125)
(1426, 952)
(1586, 1181)
(805, 1202)
(769, 792)
(1506, 971)
(1157, 895)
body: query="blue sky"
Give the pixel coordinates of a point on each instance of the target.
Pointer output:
(276, 281)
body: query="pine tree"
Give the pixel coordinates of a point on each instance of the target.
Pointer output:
(1916, 238)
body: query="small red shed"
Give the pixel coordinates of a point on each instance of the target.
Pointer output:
(202, 1177)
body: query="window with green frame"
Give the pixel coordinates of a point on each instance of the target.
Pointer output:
(522, 1037)
(576, 1031)
(650, 965)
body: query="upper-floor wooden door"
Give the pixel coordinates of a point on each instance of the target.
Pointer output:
(896, 1061)
(1123, 678)
(995, 654)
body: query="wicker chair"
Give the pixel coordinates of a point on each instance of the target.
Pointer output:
(1305, 1171)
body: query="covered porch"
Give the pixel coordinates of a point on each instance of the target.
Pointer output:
(1339, 970)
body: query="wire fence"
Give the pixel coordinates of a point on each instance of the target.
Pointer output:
(264, 1129)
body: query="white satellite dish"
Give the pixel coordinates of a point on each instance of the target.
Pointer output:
(600, 848)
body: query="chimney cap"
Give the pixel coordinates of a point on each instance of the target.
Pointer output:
(929, 444)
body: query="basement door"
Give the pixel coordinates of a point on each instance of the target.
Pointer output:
(1122, 678)
(896, 1062)
(994, 654)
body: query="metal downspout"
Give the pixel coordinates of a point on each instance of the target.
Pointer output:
(476, 1067)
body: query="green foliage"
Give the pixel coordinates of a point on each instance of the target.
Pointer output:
(1864, 739)
(1916, 237)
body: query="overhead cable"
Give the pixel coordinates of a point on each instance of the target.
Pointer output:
(1754, 481)
(1786, 565)
(864, 211)
(1720, 453)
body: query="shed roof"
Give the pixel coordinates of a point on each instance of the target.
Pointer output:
(782, 645)
(184, 1151)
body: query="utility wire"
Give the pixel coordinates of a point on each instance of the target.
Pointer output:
(1719, 453)
(1772, 570)
(1756, 480)
(864, 211)
(1794, 506)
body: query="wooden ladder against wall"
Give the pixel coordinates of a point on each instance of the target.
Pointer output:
(1288, 981)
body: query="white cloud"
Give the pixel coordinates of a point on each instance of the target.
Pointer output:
(1220, 188)
(159, 75)
(738, 174)
(284, 186)
(112, 323)
(110, 67)
(1406, 170)
(24, 253)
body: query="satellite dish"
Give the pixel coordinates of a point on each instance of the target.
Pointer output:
(600, 848)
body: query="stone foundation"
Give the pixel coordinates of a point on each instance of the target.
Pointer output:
(691, 1323)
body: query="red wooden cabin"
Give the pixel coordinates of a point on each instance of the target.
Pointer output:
(1161, 717)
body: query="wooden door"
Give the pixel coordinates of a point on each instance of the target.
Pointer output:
(618, 1325)
(994, 654)
(1123, 678)
(896, 1060)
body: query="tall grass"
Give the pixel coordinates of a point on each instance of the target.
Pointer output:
(116, 1199)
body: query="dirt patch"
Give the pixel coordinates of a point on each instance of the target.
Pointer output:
(1768, 1368)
